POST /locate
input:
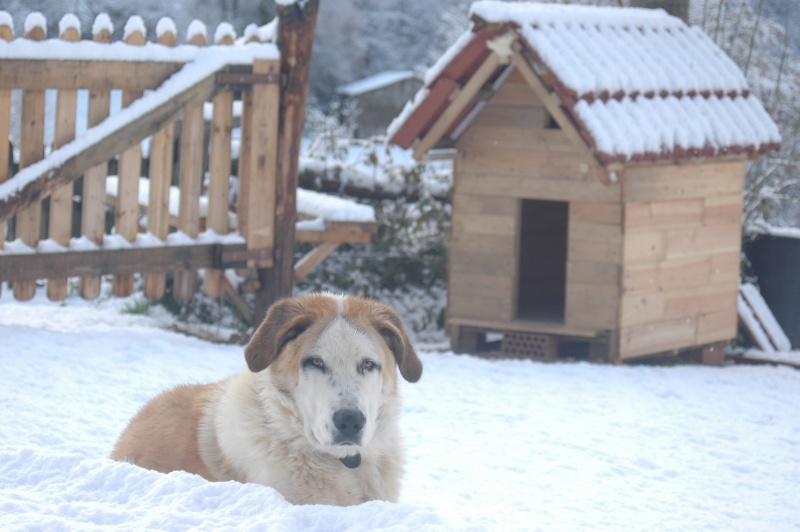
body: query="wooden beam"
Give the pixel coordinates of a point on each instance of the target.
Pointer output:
(125, 134)
(457, 105)
(295, 39)
(311, 259)
(29, 267)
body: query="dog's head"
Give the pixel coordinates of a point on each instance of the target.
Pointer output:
(333, 358)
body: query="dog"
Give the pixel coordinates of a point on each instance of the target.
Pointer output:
(314, 415)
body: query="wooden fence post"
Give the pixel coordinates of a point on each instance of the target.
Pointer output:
(219, 172)
(185, 281)
(129, 170)
(6, 34)
(295, 40)
(161, 157)
(93, 212)
(60, 223)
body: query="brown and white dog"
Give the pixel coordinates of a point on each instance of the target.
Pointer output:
(315, 416)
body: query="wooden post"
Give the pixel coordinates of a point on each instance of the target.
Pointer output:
(6, 34)
(31, 151)
(129, 171)
(295, 39)
(219, 172)
(192, 147)
(60, 224)
(93, 213)
(161, 155)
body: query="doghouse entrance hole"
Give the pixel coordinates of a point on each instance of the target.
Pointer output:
(541, 291)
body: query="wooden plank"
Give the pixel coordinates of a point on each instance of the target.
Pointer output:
(462, 98)
(598, 273)
(703, 241)
(524, 326)
(94, 181)
(716, 326)
(657, 337)
(29, 267)
(60, 222)
(666, 275)
(545, 182)
(644, 246)
(515, 92)
(725, 268)
(312, 259)
(482, 263)
(6, 34)
(681, 181)
(96, 75)
(593, 251)
(669, 213)
(129, 169)
(762, 312)
(511, 116)
(160, 174)
(484, 224)
(681, 302)
(219, 171)
(28, 223)
(192, 149)
(261, 208)
(599, 213)
(608, 234)
(484, 138)
(723, 209)
(482, 285)
(470, 306)
(243, 177)
(478, 204)
(482, 243)
(641, 308)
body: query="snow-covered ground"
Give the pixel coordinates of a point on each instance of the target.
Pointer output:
(492, 444)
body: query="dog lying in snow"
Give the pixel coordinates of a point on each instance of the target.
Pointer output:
(315, 416)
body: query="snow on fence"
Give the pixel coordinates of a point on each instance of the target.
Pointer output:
(163, 88)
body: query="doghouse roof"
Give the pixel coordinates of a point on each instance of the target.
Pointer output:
(637, 84)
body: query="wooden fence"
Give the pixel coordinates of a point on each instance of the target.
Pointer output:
(69, 218)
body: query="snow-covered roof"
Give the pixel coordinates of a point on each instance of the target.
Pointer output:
(638, 84)
(375, 82)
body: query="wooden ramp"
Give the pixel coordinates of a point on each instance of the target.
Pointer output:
(761, 326)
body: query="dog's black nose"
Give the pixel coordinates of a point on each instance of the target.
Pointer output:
(349, 423)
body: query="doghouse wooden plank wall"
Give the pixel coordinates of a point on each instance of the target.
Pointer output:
(595, 202)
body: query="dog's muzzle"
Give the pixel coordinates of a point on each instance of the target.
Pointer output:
(349, 425)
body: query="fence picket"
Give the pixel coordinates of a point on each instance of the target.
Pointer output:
(60, 221)
(192, 148)
(161, 157)
(28, 223)
(129, 171)
(6, 34)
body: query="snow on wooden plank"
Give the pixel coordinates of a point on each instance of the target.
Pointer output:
(765, 317)
(753, 326)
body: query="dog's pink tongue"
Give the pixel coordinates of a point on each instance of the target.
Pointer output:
(351, 462)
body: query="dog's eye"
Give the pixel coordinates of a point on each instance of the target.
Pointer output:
(314, 362)
(367, 365)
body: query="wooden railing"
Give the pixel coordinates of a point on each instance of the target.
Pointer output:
(163, 88)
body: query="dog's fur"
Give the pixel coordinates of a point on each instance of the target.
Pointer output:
(320, 368)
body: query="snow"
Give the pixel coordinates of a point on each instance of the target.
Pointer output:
(332, 208)
(774, 331)
(35, 20)
(196, 29)
(67, 22)
(375, 82)
(102, 23)
(492, 444)
(135, 24)
(224, 29)
(165, 25)
(6, 19)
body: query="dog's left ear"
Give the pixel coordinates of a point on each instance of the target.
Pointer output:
(285, 321)
(390, 326)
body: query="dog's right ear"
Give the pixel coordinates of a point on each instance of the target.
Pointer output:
(285, 321)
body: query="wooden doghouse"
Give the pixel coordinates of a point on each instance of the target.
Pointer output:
(598, 179)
